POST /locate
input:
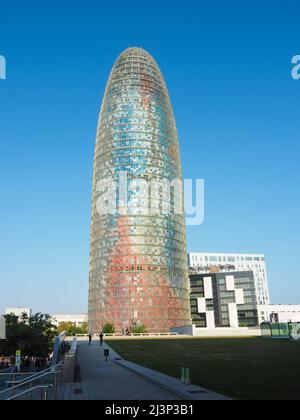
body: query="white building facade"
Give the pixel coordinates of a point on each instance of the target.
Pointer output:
(217, 262)
(280, 313)
(19, 312)
(77, 319)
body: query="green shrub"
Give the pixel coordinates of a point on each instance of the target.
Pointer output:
(108, 328)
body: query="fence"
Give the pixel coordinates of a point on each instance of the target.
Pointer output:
(280, 330)
(34, 387)
(132, 335)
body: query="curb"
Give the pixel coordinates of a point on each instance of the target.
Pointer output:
(183, 395)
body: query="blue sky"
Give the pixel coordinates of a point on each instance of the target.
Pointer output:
(228, 70)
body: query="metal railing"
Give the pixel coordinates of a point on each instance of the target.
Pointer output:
(9, 370)
(44, 394)
(29, 375)
(6, 378)
(52, 372)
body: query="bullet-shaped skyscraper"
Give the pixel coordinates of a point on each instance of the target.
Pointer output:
(138, 257)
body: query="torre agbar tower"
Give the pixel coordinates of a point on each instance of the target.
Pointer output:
(138, 260)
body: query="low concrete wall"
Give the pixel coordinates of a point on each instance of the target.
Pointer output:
(68, 373)
(218, 332)
(69, 367)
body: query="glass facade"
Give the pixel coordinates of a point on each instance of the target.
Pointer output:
(247, 312)
(277, 330)
(138, 266)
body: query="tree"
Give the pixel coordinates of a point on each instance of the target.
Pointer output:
(34, 336)
(109, 328)
(71, 329)
(84, 328)
(138, 328)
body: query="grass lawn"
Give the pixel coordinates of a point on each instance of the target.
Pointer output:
(250, 368)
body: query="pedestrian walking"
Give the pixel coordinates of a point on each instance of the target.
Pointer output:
(90, 339)
(101, 336)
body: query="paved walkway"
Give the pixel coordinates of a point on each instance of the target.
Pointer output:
(101, 380)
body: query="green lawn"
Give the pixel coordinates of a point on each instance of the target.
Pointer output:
(252, 369)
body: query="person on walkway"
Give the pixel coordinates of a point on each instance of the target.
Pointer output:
(101, 336)
(90, 339)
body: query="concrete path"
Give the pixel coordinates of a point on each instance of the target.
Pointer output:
(101, 380)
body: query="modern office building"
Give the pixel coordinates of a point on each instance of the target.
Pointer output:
(76, 319)
(217, 262)
(19, 312)
(223, 300)
(138, 267)
(280, 313)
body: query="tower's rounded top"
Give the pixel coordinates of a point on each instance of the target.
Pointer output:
(136, 52)
(136, 70)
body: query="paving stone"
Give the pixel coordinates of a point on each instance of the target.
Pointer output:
(101, 380)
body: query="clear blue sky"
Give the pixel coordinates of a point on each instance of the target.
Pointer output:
(228, 69)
